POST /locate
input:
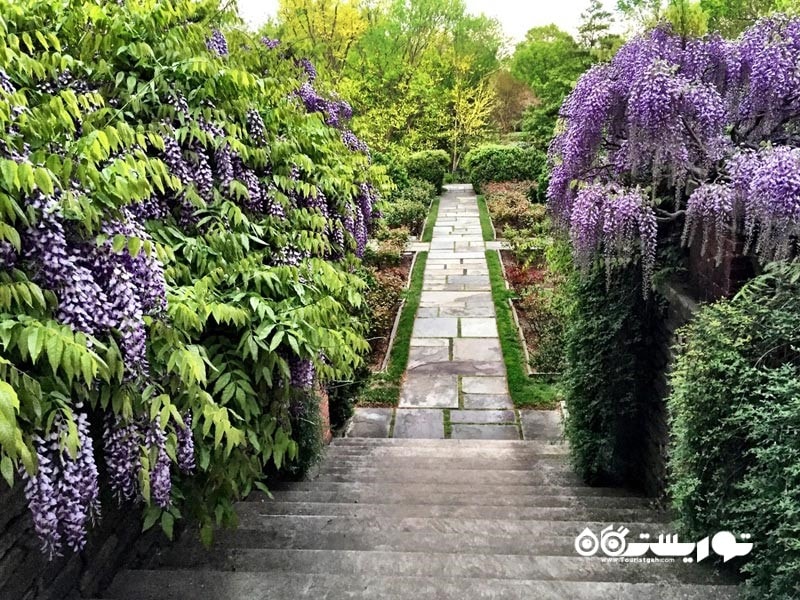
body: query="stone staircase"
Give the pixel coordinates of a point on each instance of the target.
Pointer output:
(425, 518)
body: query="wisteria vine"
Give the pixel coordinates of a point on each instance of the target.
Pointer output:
(706, 128)
(113, 247)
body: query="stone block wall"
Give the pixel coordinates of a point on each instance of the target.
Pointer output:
(679, 308)
(27, 574)
(712, 277)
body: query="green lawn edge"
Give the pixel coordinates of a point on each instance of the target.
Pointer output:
(433, 214)
(525, 392)
(384, 388)
(486, 220)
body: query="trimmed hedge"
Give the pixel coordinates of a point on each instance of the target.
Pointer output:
(735, 411)
(429, 165)
(503, 163)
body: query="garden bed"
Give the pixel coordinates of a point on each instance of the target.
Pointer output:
(382, 343)
(519, 278)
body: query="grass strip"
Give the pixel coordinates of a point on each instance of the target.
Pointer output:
(433, 214)
(486, 220)
(525, 392)
(383, 389)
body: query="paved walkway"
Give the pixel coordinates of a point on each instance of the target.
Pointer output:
(455, 384)
(450, 519)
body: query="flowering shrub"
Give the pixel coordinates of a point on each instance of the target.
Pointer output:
(510, 208)
(705, 128)
(180, 217)
(735, 412)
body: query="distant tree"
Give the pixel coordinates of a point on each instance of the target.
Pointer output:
(472, 110)
(595, 25)
(549, 60)
(513, 97)
(731, 17)
(324, 30)
(688, 19)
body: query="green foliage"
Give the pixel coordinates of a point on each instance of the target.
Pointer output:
(550, 61)
(735, 414)
(395, 168)
(430, 166)
(306, 427)
(503, 163)
(525, 391)
(607, 375)
(233, 321)
(402, 65)
(409, 205)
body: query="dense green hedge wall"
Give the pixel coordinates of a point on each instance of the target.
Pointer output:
(607, 372)
(735, 410)
(503, 163)
(430, 166)
(181, 220)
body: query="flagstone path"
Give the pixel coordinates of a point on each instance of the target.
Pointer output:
(455, 368)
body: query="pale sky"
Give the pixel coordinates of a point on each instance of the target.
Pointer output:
(516, 16)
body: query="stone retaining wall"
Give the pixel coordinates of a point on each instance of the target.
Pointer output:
(679, 309)
(26, 574)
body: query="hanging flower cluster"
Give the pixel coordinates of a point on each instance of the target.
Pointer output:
(706, 126)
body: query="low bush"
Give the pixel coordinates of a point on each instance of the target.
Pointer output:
(409, 205)
(493, 163)
(395, 168)
(405, 213)
(607, 373)
(735, 410)
(429, 165)
(509, 206)
(387, 249)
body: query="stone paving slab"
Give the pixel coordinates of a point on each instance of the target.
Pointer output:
(429, 391)
(371, 422)
(477, 349)
(419, 423)
(495, 368)
(416, 342)
(479, 328)
(460, 431)
(424, 355)
(482, 416)
(484, 385)
(436, 327)
(541, 425)
(482, 401)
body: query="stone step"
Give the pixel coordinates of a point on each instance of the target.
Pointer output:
(500, 454)
(482, 445)
(399, 541)
(476, 489)
(355, 524)
(216, 585)
(248, 511)
(440, 564)
(431, 476)
(421, 497)
(446, 463)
